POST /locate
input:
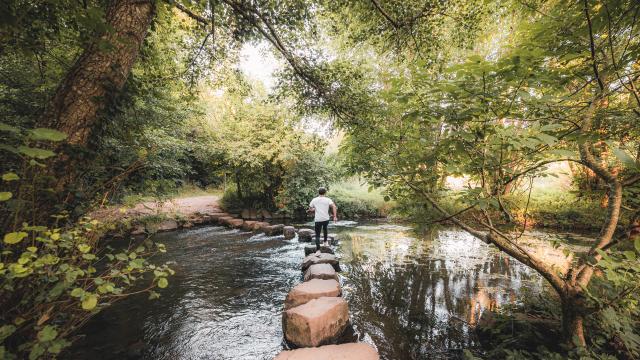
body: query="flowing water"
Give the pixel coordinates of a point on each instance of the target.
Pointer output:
(413, 297)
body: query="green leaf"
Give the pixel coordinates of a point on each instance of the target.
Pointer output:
(153, 295)
(10, 176)
(77, 292)
(162, 283)
(14, 237)
(6, 331)
(5, 195)
(625, 158)
(84, 248)
(35, 152)
(89, 302)
(48, 333)
(636, 243)
(546, 138)
(47, 134)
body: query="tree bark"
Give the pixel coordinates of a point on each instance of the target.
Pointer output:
(573, 319)
(101, 70)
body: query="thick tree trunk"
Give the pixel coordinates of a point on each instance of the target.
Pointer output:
(573, 320)
(101, 71)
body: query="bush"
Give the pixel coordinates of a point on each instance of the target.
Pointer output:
(55, 272)
(357, 200)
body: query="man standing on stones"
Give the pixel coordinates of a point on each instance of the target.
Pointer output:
(320, 205)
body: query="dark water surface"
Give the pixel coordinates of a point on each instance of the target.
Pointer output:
(413, 297)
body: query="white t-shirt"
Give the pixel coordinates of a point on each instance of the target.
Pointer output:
(322, 205)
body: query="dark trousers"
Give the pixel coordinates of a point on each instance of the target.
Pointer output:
(322, 225)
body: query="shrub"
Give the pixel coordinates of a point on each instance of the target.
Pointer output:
(55, 272)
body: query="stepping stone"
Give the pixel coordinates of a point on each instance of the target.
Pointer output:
(320, 321)
(224, 220)
(320, 258)
(310, 249)
(353, 351)
(320, 271)
(274, 230)
(305, 235)
(289, 232)
(235, 223)
(248, 225)
(260, 226)
(312, 289)
(167, 225)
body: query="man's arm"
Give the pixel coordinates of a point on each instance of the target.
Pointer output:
(334, 208)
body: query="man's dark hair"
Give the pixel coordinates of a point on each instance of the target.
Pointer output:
(322, 191)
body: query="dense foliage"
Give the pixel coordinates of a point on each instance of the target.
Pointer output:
(102, 99)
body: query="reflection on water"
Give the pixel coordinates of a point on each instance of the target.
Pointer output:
(417, 299)
(414, 297)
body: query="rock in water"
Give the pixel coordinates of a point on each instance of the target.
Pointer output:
(248, 225)
(353, 351)
(320, 258)
(305, 235)
(310, 249)
(260, 226)
(235, 223)
(274, 230)
(312, 289)
(320, 321)
(289, 232)
(320, 271)
(167, 225)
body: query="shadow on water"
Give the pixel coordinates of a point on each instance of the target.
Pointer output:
(414, 297)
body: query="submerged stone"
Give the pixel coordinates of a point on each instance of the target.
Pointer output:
(289, 232)
(353, 351)
(313, 289)
(274, 230)
(318, 322)
(320, 271)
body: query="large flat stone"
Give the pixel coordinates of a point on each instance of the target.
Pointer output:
(320, 271)
(320, 321)
(289, 232)
(235, 223)
(353, 351)
(320, 258)
(312, 289)
(260, 225)
(224, 220)
(306, 235)
(167, 225)
(248, 225)
(310, 249)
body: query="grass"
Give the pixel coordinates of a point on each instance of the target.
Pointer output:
(354, 199)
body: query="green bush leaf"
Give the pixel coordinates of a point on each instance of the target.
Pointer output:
(14, 237)
(77, 292)
(90, 302)
(6, 331)
(84, 248)
(48, 333)
(625, 158)
(35, 152)
(5, 195)
(10, 176)
(162, 283)
(47, 134)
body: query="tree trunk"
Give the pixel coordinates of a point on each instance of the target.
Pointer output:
(573, 319)
(100, 72)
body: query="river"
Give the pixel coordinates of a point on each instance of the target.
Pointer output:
(412, 296)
